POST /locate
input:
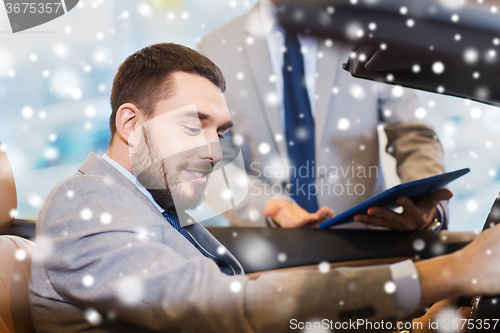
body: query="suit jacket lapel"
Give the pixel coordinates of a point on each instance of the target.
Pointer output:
(328, 66)
(96, 165)
(212, 245)
(258, 59)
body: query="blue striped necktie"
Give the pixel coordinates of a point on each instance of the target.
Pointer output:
(174, 222)
(299, 125)
(224, 266)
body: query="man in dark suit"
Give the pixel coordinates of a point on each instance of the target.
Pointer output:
(112, 255)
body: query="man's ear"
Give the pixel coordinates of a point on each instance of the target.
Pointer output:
(126, 120)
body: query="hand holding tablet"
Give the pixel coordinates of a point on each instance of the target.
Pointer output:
(420, 192)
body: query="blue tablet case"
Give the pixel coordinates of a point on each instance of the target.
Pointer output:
(387, 199)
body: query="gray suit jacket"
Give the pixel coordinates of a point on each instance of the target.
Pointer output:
(343, 157)
(135, 273)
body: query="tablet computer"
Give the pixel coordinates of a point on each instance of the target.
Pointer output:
(387, 199)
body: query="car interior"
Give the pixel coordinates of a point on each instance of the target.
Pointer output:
(15, 256)
(261, 250)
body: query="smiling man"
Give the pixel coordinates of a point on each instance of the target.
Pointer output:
(173, 144)
(112, 255)
(176, 174)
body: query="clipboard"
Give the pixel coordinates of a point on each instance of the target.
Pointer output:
(387, 199)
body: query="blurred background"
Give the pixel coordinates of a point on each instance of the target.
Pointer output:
(55, 82)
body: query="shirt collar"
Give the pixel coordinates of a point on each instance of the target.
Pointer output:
(133, 179)
(268, 12)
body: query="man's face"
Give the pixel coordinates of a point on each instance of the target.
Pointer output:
(173, 152)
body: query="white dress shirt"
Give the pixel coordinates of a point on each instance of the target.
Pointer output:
(133, 179)
(275, 39)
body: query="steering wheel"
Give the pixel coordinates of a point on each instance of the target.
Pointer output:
(485, 315)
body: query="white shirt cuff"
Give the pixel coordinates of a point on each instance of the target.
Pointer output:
(408, 291)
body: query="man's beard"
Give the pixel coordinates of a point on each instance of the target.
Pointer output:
(169, 192)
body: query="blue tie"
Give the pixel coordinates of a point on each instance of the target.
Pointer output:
(224, 266)
(174, 222)
(299, 126)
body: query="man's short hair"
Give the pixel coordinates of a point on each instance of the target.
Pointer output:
(144, 78)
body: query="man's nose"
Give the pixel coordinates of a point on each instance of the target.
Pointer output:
(211, 150)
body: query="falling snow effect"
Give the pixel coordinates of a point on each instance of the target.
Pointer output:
(357, 91)
(58, 74)
(354, 31)
(446, 314)
(343, 124)
(472, 205)
(302, 133)
(221, 250)
(397, 91)
(238, 139)
(390, 287)
(130, 290)
(476, 113)
(264, 148)
(27, 112)
(226, 194)
(324, 267)
(88, 280)
(420, 113)
(93, 317)
(20, 254)
(106, 218)
(471, 56)
(86, 214)
(90, 111)
(438, 67)
(35, 200)
(272, 98)
(418, 244)
(43, 248)
(142, 234)
(235, 287)
(254, 215)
